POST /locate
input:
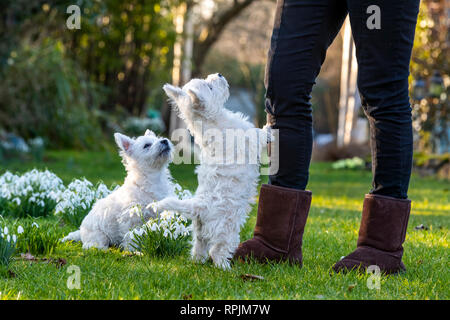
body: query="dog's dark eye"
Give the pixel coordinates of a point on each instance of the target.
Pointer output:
(147, 145)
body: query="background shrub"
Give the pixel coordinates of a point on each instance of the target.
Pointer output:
(136, 127)
(45, 94)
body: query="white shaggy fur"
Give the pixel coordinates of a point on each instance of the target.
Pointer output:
(148, 179)
(225, 191)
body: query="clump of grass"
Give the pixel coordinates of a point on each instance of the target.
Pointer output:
(38, 239)
(165, 236)
(7, 246)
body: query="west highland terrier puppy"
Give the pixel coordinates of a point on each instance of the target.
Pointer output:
(146, 160)
(226, 187)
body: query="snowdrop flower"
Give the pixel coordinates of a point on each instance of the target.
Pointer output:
(138, 231)
(154, 227)
(182, 194)
(34, 224)
(171, 225)
(20, 230)
(34, 187)
(134, 211)
(5, 230)
(166, 215)
(153, 206)
(79, 197)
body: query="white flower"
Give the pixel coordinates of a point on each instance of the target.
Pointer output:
(153, 206)
(138, 231)
(135, 211)
(34, 224)
(20, 230)
(79, 197)
(5, 230)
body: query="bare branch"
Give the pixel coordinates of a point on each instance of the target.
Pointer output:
(213, 30)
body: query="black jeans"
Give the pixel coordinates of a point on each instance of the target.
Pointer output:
(303, 31)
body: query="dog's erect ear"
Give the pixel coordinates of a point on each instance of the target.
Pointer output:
(123, 142)
(196, 103)
(173, 92)
(149, 132)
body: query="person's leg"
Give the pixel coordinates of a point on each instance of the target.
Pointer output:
(302, 32)
(383, 58)
(383, 52)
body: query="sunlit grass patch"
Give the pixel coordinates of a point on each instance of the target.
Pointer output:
(330, 233)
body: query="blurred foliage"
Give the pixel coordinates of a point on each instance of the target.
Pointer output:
(431, 42)
(431, 115)
(135, 126)
(240, 74)
(349, 163)
(422, 158)
(45, 94)
(107, 67)
(125, 46)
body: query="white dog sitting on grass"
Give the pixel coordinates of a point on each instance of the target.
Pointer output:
(226, 188)
(146, 160)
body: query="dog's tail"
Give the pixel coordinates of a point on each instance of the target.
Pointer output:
(73, 236)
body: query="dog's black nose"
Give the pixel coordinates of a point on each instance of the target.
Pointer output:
(221, 76)
(165, 142)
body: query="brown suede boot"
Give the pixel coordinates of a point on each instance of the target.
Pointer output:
(281, 219)
(381, 235)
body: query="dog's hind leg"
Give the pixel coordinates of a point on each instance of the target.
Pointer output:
(94, 239)
(73, 236)
(222, 250)
(200, 247)
(221, 254)
(101, 244)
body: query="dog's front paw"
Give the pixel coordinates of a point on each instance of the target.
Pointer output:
(168, 203)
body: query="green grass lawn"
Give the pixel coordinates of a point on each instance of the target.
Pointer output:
(331, 232)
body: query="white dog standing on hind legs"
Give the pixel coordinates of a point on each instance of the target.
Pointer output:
(146, 160)
(226, 187)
